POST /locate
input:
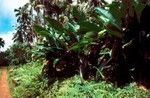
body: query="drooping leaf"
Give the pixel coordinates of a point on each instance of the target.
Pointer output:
(71, 31)
(71, 27)
(56, 61)
(105, 13)
(41, 31)
(91, 35)
(111, 25)
(88, 26)
(79, 46)
(61, 44)
(55, 24)
(79, 16)
(45, 33)
(138, 7)
(101, 34)
(117, 11)
(106, 16)
(113, 30)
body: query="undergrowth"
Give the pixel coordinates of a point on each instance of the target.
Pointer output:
(26, 82)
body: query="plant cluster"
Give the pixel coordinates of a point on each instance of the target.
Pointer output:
(93, 38)
(72, 39)
(26, 82)
(19, 53)
(24, 29)
(3, 59)
(89, 38)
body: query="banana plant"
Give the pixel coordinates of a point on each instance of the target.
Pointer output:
(111, 24)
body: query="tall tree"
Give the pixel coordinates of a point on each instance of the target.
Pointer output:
(24, 27)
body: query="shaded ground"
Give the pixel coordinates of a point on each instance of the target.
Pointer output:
(4, 88)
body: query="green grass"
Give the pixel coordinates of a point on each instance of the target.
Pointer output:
(30, 84)
(25, 80)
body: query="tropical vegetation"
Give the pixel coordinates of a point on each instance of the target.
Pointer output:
(85, 44)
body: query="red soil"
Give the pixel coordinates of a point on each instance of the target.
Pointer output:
(4, 88)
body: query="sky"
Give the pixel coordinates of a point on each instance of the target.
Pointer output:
(8, 19)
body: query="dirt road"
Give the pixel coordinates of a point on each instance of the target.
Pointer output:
(4, 88)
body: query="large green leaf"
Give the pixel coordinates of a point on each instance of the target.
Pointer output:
(41, 31)
(71, 31)
(113, 30)
(91, 35)
(139, 7)
(78, 15)
(45, 33)
(89, 26)
(117, 11)
(81, 45)
(109, 22)
(101, 34)
(55, 24)
(105, 14)
(61, 44)
(71, 27)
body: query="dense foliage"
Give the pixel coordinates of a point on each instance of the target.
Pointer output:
(19, 53)
(110, 37)
(89, 40)
(3, 59)
(26, 82)
(24, 31)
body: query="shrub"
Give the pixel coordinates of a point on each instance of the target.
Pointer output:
(26, 80)
(4, 61)
(30, 84)
(19, 53)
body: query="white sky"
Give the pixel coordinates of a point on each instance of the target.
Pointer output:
(8, 39)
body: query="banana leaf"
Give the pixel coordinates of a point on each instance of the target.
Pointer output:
(45, 33)
(55, 24)
(109, 22)
(87, 26)
(78, 15)
(41, 31)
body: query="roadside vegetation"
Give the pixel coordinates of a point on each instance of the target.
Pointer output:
(88, 48)
(26, 81)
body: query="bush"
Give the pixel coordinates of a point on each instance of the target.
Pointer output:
(26, 81)
(30, 84)
(4, 61)
(19, 53)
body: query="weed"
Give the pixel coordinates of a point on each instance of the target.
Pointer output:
(30, 84)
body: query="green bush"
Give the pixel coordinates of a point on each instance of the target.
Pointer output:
(26, 81)
(30, 84)
(4, 61)
(19, 53)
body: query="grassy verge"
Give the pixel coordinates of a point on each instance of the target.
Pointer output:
(26, 82)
